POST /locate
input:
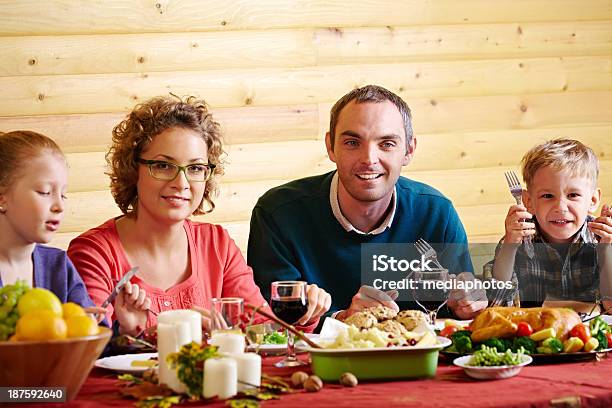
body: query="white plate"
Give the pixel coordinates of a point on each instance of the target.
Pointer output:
(123, 363)
(491, 373)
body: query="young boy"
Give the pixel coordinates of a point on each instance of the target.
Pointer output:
(568, 263)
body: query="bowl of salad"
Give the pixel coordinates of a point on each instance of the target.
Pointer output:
(489, 364)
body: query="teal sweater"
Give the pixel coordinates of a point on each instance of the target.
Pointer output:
(295, 236)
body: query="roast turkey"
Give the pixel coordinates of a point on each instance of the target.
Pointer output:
(502, 321)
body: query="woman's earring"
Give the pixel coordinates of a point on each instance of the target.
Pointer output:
(2, 210)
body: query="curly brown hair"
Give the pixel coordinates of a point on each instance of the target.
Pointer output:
(148, 120)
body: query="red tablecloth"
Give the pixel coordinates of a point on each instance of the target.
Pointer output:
(586, 383)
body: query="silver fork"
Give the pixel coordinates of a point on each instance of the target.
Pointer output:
(498, 298)
(516, 190)
(427, 251)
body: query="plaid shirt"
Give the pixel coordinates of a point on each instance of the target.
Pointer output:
(569, 272)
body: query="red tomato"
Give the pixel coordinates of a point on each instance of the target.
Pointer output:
(609, 337)
(581, 331)
(524, 329)
(448, 331)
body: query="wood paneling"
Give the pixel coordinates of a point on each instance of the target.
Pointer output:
(87, 54)
(163, 52)
(62, 94)
(484, 41)
(31, 17)
(92, 132)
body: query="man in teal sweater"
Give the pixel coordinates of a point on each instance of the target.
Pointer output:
(313, 229)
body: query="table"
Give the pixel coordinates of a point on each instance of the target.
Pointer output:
(560, 385)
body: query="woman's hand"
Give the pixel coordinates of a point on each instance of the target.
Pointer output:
(319, 302)
(131, 306)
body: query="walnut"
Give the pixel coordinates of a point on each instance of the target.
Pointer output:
(348, 380)
(313, 384)
(298, 378)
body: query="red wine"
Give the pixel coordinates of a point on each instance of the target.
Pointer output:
(289, 310)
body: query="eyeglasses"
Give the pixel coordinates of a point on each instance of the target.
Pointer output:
(166, 171)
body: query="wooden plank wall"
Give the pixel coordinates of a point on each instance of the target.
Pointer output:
(485, 79)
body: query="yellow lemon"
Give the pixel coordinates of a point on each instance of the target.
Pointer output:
(79, 326)
(39, 299)
(41, 325)
(72, 309)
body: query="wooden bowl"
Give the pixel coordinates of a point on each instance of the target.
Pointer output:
(53, 363)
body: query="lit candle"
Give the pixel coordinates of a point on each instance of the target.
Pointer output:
(249, 370)
(220, 378)
(231, 343)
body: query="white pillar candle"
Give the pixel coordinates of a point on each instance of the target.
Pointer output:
(167, 343)
(220, 378)
(231, 343)
(174, 330)
(194, 318)
(249, 370)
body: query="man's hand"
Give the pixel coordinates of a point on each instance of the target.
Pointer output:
(368, 296)
(131, 307)
(516, 228)
(319, 302)
(602, 225)
(467, 304)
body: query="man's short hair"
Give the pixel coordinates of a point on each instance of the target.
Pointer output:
(561, 154)
(371, 93)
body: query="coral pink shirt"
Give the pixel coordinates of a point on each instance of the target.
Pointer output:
(217, 269)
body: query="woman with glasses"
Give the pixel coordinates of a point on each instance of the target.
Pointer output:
(164, 163)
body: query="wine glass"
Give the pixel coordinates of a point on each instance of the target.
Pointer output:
(430, 290)
(289, 303)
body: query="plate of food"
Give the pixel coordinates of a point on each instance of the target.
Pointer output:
(377, 344)
(272, 342)
(488, 364)
(548, 335)
(128, 363)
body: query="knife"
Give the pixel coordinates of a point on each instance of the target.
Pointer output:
(125, 279)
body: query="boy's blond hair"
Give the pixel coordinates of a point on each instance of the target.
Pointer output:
(561, 154)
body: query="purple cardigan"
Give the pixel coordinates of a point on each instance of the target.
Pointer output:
(54, 271)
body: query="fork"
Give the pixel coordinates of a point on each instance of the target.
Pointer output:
(498, 298)
(427, 251)
(516, 190)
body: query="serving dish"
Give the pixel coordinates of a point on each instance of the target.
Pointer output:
(492, 372)
(380, 363)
